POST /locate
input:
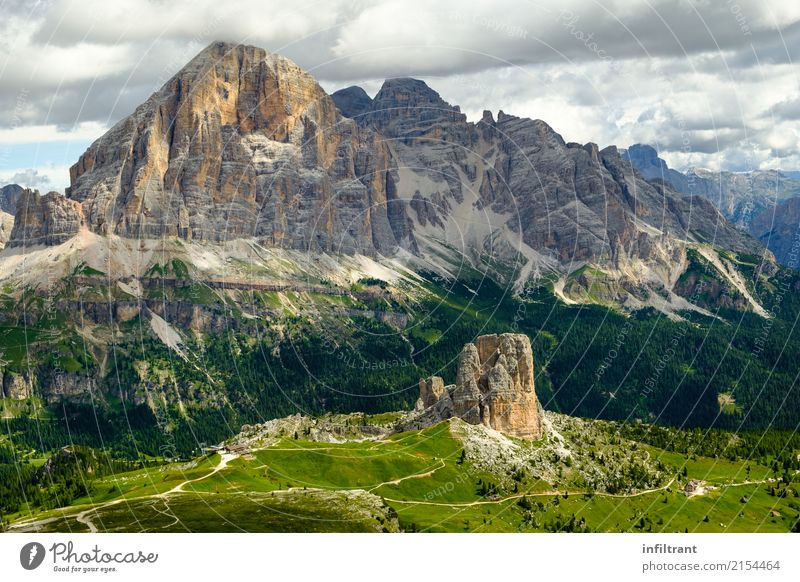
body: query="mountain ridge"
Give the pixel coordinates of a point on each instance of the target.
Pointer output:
(243, 144)
(760, 202)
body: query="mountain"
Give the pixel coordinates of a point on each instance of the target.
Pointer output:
(760, 202)
(645, 159)
(8, 206)
(352, 101)
(742, 196)
(240, 143)
(778, 227)
(8, 198)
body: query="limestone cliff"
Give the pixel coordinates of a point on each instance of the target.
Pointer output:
(240, 143)
(45, 220)
(244, 144)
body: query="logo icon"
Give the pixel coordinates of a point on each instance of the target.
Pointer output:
(31, 555)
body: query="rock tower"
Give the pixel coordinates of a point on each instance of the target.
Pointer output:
(494, 387)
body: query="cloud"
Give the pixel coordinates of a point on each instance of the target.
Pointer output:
(787, 110)
(29, 178)
(610, 71)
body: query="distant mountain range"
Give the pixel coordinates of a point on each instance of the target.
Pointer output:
(761, 202)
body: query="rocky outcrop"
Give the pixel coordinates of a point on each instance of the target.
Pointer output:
(494, 387)
(67, 386)
(45, 220)
(431, 390)
(240, 143)
(16, 386)
(6, 226)
(352, 101)
(9, 195)
(645, 160)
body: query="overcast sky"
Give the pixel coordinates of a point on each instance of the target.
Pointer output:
(710, 83)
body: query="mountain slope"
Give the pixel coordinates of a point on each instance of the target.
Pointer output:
(762, 203)
(238, 248)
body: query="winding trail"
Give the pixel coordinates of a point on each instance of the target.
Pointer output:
(84, 517)
(550, 493)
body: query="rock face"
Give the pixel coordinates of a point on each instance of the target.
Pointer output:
(778, 227)
(45, 220)
(645, 159)
(430, 391)
(65, 386)
(240, 143)
(16, 386)
(6, 226)
(494, 387)
(9, 195)
(525, 189)
(352, 101)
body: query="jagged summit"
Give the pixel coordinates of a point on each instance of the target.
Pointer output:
(352, 101)
(408, 109)
(239, 143)
(646, 160)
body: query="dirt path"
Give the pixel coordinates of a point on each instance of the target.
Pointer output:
(414, 476)
(551, 493)
(224, 459)
(84, 517)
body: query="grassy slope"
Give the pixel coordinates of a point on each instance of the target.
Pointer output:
(299, 486)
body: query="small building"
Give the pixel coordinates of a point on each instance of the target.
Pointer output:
(694, 487)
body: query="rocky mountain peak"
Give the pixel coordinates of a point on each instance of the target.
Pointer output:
(45, 220)
(644, 158)
(352, 101)
(409, 108)
(8, 198)
(239, 143)
(243, 144)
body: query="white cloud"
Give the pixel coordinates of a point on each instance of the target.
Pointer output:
(610, 71)
(45, 178)
(51, 133)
